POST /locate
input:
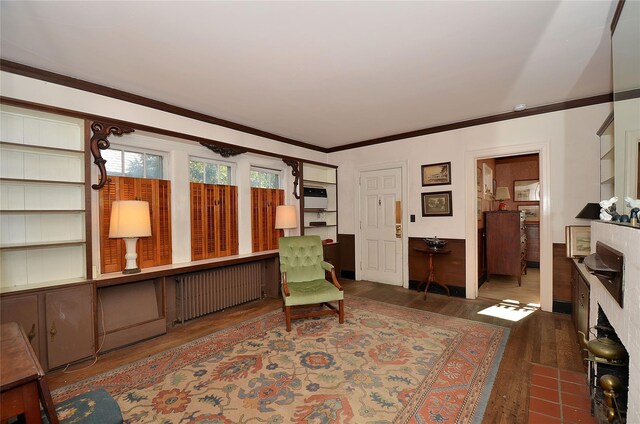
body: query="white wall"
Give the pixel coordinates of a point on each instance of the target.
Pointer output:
(177, 152)
(29, 89)
(574, 152)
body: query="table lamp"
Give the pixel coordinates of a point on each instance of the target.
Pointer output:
(286, 217)
(130, 220)
(502, 193)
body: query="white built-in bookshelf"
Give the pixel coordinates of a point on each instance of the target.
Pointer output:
(42, 199)
(325, 177)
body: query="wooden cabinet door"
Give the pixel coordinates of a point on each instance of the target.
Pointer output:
(69, 319)
(583, 306)
(23, 310)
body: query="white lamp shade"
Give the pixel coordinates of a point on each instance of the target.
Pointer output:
(286, 217)
(502, 193)
(130, 218)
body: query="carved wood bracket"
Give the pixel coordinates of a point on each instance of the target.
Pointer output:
(99, 141)
(295, 171)
(225, 152)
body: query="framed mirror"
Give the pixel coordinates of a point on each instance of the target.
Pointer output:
(526, 191)
(626, 105)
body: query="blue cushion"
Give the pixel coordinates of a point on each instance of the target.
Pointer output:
(94, 407)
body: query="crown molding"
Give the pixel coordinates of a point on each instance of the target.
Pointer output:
(587, 101)
(52, 77)
(40, 74)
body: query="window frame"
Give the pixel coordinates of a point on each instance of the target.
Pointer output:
(231, 165)
(278, 172)
(144, 151)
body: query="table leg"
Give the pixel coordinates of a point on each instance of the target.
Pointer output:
(431, 278)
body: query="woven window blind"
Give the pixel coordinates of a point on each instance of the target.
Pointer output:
(152, 251)
(264, 236)
(214, 221)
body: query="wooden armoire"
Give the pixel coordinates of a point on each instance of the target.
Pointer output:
(506, 240)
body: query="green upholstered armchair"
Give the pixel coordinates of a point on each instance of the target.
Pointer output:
(303, 278)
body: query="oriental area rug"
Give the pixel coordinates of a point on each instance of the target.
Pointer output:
(385, 364)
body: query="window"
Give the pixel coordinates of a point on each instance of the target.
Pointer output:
(203, 171)
(129, 163)
(152, 251)
(265, 178)
(214, 210)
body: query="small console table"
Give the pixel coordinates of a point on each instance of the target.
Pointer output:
(431, 276)
(22, 380)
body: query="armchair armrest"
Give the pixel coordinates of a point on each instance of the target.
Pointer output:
(330, 268)
(326, 266)
(285, 286)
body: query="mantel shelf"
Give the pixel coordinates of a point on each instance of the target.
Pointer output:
(319, 210)
(319, 226)
(41, 245)
(33, 147)
(24, 180)
(41, 211)
(319, 182)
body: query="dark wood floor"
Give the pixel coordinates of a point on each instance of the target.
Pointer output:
(542, 337)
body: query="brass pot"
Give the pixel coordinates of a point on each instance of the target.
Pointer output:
(603, 347)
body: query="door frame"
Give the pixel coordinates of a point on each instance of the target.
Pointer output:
(471, 223)
(405, 216)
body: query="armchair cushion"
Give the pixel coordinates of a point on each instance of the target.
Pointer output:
(310, 292)
(301, 257)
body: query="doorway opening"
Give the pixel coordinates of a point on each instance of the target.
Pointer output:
(508, 228)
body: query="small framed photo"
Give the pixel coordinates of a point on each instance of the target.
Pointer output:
(487, 181)
(578, 240)
(436, 174)
(526, 191)
(437, 204)
(531, 212)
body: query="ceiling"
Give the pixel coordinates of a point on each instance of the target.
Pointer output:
(324, 73)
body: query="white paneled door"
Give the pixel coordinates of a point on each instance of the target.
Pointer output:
(381, 250)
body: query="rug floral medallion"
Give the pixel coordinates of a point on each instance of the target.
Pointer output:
(385, 364)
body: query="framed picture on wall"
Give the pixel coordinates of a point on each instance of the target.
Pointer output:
(436, 174)
(487, 181)
(531, 212)
(526, 191)
(578, 240)
(437, 204)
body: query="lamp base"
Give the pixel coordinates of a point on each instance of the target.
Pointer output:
(502, 206)
(131, 256)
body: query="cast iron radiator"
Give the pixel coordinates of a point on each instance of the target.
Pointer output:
(201, 293)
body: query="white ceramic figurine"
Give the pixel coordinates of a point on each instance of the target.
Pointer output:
(606, 213)
(632, 203)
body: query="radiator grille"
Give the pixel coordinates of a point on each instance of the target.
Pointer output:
(204, 292)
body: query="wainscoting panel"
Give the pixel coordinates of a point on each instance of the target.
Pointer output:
(561, 274)
(449, 268)
(347, 255)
